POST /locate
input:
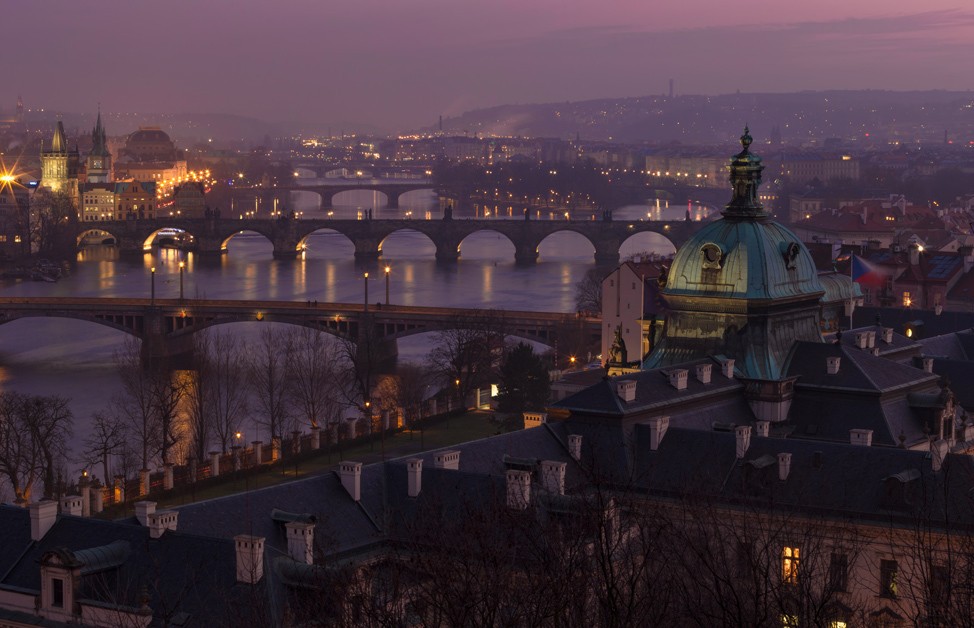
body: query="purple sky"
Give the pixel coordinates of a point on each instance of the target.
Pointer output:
(400, 63)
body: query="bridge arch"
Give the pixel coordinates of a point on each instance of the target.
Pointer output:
(569, 228)
(151, 237)
(483, 234)
(95, 232)
(407, 232)
(328, 198)
(643, 241)
(249, 231)
(305, 242)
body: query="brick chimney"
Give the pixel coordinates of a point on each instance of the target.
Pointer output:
(575, 446)
(784, 466)
(414, 476)
(626, 389)
(142, 511)
(72, 505)
(447, 460)
(928, 365)
(727, 368)
(518, 489)
(250, 558)
(743, 434)
(43, 514)
(762, 428)
(888, 335)
(161, 521)
(863, 438)
(832, 363)
(678, 378)
(703, 373)
(301, 541)
(553, 476)
(657, 430)
(862, 339)
(351, 474)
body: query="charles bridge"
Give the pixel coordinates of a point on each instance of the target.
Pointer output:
(289, 235)
(167, 326)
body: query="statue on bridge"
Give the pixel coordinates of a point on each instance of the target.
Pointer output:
(448, 212)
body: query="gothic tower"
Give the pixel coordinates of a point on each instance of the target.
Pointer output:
(57, 166)
(98, 166)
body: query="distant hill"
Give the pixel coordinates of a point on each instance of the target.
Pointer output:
(801, 116)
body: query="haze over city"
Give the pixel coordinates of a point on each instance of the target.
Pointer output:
(394, 65)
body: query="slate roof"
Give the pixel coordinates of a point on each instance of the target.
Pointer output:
(933, 324)
(858, 370)
(182, 573)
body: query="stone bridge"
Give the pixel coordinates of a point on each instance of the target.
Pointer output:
(166, 326)
(327, 191)
(289, 235)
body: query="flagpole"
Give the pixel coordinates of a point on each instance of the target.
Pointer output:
(852, 304)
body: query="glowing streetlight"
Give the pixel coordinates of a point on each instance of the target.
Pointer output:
(182, 267)
(152, 283)
(387, 284)
(365, 282)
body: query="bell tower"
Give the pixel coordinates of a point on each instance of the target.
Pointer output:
(98, 166)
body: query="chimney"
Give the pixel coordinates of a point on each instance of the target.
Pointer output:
(763, 428)
(250, 558)
(626, 389)
(727, 368)
(351, 474)
(553, 476)
(71, 505)
(534, 419)
(575, 446)
(888, 335)
(863, 438)
(703, 373)
(43, 514)
(414, 476)
(832, 364)
(938, 453)
(928, 365)
(743, 433)
(518, 489)
(447, 460)
(301, 541)
(657, 430)
(161, 521)
(914, 253)
(784, 466)
(678, 378)
(142, 511)
(870, 339)
(862, 339)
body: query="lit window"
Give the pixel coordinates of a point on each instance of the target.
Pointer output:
(790, 557)
(907, 301)
(887, 578)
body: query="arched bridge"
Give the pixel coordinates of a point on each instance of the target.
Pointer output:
(166, 326)
(327, 191)
(289, 235)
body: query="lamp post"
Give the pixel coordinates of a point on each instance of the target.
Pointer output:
(365, 281)
(182, 266)
(152, 284)
(387, 284)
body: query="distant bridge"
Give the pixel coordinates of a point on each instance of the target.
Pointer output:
(166, 326)
(289, 235)
(327, 191)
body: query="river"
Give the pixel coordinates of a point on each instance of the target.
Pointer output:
(74, 359)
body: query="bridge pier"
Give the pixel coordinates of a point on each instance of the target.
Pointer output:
(209, 246)
(607, 258)
(158, 348)
(392, 200)
(447, 251)
(525, 254)
(367, 249)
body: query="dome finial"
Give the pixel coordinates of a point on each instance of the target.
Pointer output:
(746, 138)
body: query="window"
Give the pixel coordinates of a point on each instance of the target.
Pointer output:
(887, 578)
(907, 301)
(839, 571)
(939, 585)
(790, 557)
(57, 593)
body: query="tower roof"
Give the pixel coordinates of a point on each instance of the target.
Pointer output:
(58, 143)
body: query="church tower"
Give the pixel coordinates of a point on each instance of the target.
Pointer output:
(743, 288)
(58, 164)
(98, 166)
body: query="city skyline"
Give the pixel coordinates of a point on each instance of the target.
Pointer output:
(396, 67)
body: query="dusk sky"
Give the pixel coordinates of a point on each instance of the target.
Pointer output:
(398, 64)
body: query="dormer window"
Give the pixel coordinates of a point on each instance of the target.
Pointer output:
(711, 256)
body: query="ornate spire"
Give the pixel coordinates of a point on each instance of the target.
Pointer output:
(99, 143)
(745, 177)
(58, 143)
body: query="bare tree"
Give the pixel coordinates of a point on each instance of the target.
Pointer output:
(105, 440)
(34, 432)
(467, 352)
(314, 372)
(361, 359)
(588, 291)
(226, 386)
(270, 386)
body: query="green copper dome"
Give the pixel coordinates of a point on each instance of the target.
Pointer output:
(743, 287)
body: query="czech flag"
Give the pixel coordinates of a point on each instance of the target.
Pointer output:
(867, 274)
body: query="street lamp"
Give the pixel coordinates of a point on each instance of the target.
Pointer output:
(365, 281)
(387, 284)
(152, 283)
(182, 266)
